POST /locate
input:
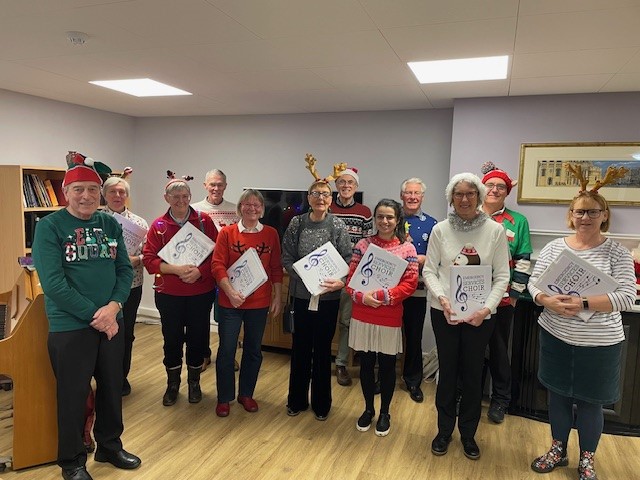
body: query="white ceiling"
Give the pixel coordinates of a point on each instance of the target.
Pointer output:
(297, 56)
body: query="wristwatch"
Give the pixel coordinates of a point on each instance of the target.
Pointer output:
(585, 303)
(120, 305)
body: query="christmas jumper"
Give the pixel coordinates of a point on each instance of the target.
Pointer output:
(82, 265)
(161, 231)
(231, 244)
(390, 313)
(357, 217)
(222, 214)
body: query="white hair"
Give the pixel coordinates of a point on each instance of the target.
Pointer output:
(469, 178)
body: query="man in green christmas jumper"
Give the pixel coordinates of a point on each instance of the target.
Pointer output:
(86, 276)
(516, 227)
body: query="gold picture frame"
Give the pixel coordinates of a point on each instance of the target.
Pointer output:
(543, 179)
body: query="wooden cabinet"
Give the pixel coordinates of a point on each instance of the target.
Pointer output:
(274, 335)
(18, 221)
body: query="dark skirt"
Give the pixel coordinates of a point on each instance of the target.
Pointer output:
(591, 374)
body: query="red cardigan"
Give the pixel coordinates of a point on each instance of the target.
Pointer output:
(161, 231)
(232, 244)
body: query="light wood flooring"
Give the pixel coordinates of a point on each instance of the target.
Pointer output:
(189, 442)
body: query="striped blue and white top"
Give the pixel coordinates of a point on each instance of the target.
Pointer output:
(603, 328)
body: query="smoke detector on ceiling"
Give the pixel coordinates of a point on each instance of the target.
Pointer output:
(77, 38)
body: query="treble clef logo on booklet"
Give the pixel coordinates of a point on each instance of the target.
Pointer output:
(366, 270)
(461, 295)
(181, 246)
(238, 271)
(314, 259)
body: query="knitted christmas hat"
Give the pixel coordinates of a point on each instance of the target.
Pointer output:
(84, 169)
(491, 171)
(468, 250)
(350, 171)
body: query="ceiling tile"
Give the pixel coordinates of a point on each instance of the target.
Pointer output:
(379, 74)
(294, 18)
(578, 31)
(623, 82)
(537, 7)
(453, 40)
(400, 13)
(558, 85)
(580, 62)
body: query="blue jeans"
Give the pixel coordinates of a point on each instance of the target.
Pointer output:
(229, 323)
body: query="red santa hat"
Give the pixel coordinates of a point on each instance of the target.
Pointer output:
(491, 171)
(468, 250)
(350, 171)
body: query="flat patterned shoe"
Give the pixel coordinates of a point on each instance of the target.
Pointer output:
(555, 457)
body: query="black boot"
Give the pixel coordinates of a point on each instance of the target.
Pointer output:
(193, 379)
(173, 385)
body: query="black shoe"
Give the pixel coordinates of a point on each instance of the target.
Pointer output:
(416, 394)
(119, 459)
(364, 422)
(471, 449)
(383, 425)
(440, 445)
(78, 473)
(496, 413)
(293, 413)
(126, 388)
(343, 376)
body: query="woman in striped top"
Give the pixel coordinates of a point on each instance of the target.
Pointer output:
(580, 361)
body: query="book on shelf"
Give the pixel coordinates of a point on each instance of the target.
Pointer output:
(56, 183)
(51, 192)
(571, 275)
(321, 264)
(41, 192)
(247, 274)
(29, 192)
(377, 270)
(189, 246)
(469, 287)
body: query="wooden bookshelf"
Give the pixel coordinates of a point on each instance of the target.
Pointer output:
(15, 216)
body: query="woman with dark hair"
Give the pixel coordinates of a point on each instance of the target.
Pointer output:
(237, 311)
(376, 322)
(467, 237)
(580, 361)
(183, 293)
(314, 325)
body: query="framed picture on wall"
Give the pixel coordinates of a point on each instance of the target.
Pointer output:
(544, 179)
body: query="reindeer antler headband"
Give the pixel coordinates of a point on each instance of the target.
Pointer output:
(172, 178)
(612, 174)
(338, 168)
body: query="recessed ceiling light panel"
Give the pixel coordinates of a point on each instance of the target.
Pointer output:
(461, 69)
(140, 87)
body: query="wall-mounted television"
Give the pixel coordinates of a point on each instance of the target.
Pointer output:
(281, 205)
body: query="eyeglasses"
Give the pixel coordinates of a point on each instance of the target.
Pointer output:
(461, 195)
(184, 198)
(499, 186)
(216, 185)
(592, 213)
(413, 194)
(257, 206)
(320, 194)
(342, 183)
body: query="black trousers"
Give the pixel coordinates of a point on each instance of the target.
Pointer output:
(311, 356)
(499, 363)
(415, 309)
(461, 351)
(129, 314)
(76, 356)
(185, 320)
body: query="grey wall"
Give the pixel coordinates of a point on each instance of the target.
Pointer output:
(493, 129)
(268, 151)
(36, 131)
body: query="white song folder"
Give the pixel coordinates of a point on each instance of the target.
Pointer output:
(247, 273)
(132, 233)
(377, 270)
(469, 287)
(571, 275)
(323, 263)
(187, 247)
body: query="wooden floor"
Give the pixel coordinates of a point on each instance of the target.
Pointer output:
(189, 442)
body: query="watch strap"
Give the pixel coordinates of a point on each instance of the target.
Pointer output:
(585, 303)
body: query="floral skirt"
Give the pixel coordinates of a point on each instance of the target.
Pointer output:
(591, 374)
(366, 337)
